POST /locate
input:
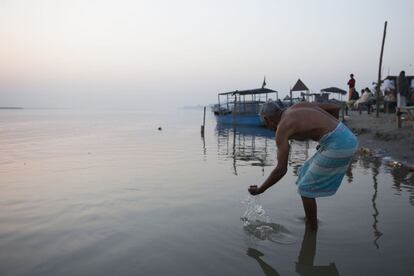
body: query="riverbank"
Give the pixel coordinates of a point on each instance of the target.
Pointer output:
(381, 136)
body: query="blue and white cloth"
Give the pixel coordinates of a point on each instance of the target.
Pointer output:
(322, 174)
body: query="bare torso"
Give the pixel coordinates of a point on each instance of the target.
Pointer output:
(306, 121)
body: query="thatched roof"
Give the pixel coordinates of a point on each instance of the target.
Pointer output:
(299, 86)
(334, 90)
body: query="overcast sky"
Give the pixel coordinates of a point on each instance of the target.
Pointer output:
(135, 54)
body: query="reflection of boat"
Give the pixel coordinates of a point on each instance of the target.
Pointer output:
(255, 146)
(246, 131)
(299, 153)
(246, 145)
(242, 107)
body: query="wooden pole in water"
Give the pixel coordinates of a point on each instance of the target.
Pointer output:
(379, 69)
(204, 122)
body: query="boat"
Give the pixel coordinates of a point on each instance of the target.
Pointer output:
(242, 107)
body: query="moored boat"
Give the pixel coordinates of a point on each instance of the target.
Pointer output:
(242, 107)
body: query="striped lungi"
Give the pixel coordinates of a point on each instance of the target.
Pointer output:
(322, 174)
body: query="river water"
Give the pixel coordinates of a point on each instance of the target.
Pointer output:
(107, 193)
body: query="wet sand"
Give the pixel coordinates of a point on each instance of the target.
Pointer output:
(382, 136)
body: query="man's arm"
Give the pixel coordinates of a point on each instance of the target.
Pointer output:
(282, 142)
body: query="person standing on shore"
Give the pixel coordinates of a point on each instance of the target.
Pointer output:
(402, 89)
(351, 84)
(322, 174)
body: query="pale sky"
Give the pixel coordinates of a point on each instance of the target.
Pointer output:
(135, 54)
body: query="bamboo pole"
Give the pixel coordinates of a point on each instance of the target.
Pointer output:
(379, 69)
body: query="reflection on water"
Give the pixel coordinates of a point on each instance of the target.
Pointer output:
(375, 171)
(305, 264)
(258, 224)
(245, 146)
(306, 258)
(108, 194)
(255, 146)
(299, 153)
(268, 270)
(373, 164)
(268, 231)
(204, 146)
(403, 180)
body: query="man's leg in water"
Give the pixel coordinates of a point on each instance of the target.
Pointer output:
(309, 204)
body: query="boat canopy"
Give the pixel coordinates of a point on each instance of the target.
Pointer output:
(334, 90)
(249, 92)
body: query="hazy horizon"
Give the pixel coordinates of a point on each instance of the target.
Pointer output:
(136, 54)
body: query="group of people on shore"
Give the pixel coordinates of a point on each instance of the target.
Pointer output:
(400, 93)
(354, 99)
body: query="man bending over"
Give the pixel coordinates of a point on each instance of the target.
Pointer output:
(322, 174)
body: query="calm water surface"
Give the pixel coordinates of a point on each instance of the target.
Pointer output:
(106, 193)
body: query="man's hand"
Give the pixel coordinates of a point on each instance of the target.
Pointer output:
(254, 190)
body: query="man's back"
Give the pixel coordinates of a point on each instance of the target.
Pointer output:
(306, 121)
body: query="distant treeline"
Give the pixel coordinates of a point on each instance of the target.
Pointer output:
(10, 107)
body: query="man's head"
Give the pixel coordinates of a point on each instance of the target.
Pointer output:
(270, 113)
(352, 76)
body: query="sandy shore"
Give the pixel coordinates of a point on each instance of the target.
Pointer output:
(381, 135)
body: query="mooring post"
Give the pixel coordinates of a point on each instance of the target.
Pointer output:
(204, 122)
